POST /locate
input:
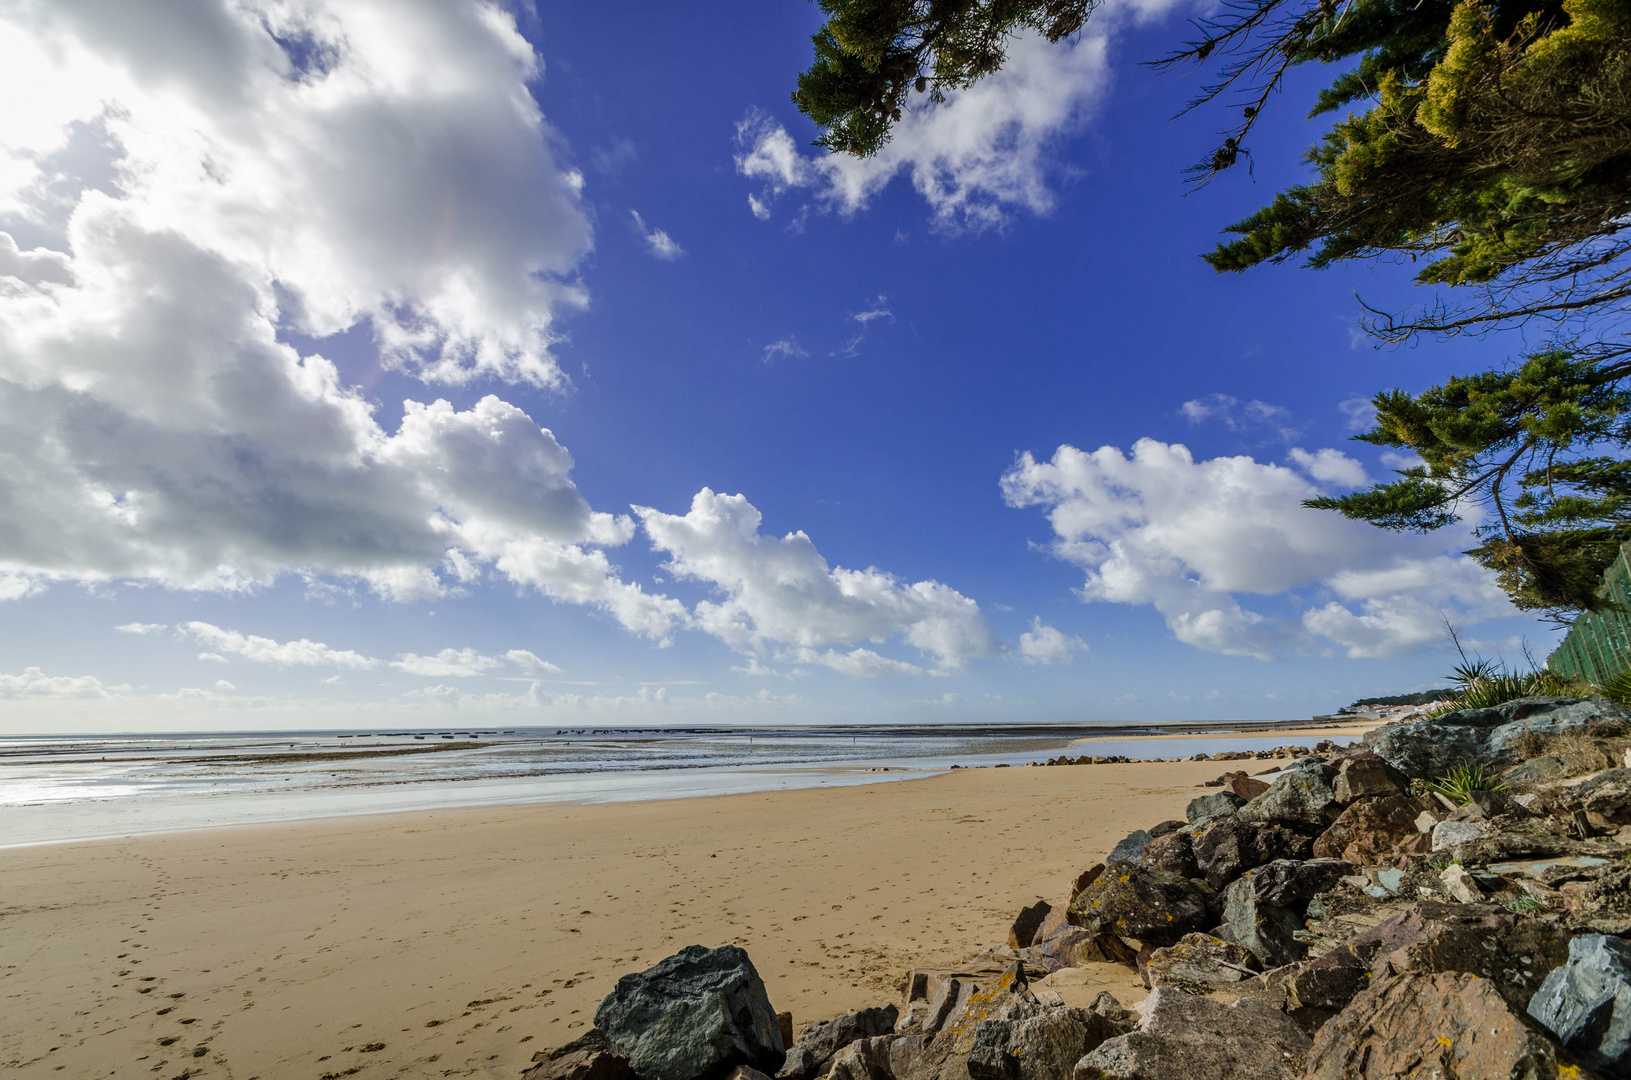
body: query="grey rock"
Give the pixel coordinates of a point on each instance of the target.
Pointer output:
(1165, 827)
(1299, 796)
(1586, 1003)
(1183, 1037)
(1606, 797)
(699, 1011)
(819, 1043)
(948, 1001)
(1208, 807)
(1449, 834)
(1292, 883)
(1129, 849)
(1228, 848)
(1174, 853)
(1265, 930)
(1430, 748)
(1199, 962)
(864, 1059)
(1153, 906)
(1044, 1047)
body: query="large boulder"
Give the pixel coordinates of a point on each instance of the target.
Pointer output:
(1449, 1024)
(820, 1043)
(1365, 775)
(1042, 1047)
(1183, 1037)
(1512, 952)
(1228, 848)
(1198, 963)
(1300, 797)
(1372, 828)
(1174, 853)
(1430, 748)
(699, 1012)
(1267, 931)
(1151, 905)
(1586, 1003)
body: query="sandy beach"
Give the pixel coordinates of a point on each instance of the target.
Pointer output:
(458, 942)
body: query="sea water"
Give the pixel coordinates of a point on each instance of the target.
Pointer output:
(57, 789)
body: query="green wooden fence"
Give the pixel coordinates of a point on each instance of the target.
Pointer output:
(1598, 646)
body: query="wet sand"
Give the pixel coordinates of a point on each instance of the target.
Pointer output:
(458, 942)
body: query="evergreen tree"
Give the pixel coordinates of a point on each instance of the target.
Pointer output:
(1539, 448)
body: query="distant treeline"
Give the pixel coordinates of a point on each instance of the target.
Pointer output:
(1406, 699)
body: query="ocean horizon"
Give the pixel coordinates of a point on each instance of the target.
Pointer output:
(66, 788)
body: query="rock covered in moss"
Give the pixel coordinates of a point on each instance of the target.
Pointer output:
(1151, 905)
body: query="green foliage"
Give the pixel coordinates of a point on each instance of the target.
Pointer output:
(1617, 689)
(1421, 698)
(871, 55)
(1524, 905)
(1459, 783)
(1540, 446)
(1499, 155)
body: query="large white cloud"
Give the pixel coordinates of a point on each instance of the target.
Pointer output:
(1157, 527)
(198, 181)
(780, 592)
(374, 159)
(974, 158)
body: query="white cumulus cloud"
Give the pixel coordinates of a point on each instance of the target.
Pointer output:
(1157, 527)
(780, 592)
(35, 683)
(264, 650)
(197, 188)
(1044, 644)
(975, 158)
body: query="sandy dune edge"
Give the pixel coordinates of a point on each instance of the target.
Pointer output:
(464, 940)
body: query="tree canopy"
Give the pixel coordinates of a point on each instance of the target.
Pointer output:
(1486, 141)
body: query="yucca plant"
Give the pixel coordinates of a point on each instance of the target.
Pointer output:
(1617, 689)
(1460, 782)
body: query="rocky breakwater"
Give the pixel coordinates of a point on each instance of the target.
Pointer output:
(1335, 919)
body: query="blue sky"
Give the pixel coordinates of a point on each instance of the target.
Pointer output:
(965, 433)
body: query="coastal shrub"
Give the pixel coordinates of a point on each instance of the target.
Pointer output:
(1460, 782)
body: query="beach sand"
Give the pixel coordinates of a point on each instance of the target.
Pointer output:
(458, 942)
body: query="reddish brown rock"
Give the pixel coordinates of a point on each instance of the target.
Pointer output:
(1365, 775)
(1372, 829)
(1246, 787)
(581, 1065)
(1512, 952)
(1449, 1024)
